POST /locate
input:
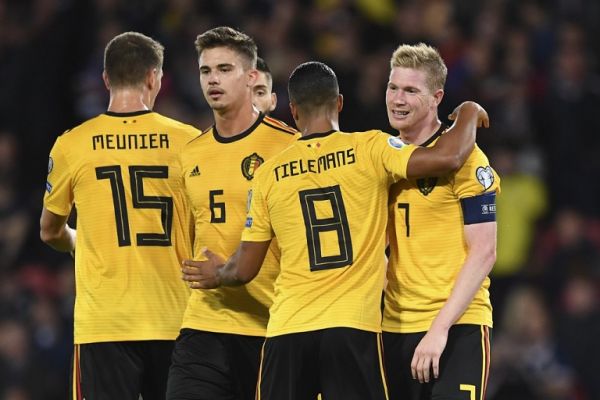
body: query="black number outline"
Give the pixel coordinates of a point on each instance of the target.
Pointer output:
(314, 226)
(214, 206)
(406, 207)
(113, 174)
(137, 173)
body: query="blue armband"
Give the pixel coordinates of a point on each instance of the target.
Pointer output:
(478, 209)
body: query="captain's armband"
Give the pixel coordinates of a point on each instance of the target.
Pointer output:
(478, 209)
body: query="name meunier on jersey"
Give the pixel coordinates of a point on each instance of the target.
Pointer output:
(130, 141)
(316, 166)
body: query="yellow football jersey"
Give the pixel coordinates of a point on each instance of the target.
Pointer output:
(121, 172)
(218, 173)
(325, 200)
(428, 247)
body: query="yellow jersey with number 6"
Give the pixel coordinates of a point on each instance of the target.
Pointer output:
(218, 172)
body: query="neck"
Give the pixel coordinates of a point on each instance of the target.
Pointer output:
(318, 122)
(419, 135)
(127, 100)
(232, 122)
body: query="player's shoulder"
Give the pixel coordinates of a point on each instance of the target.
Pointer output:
(475, 159)
(370, 134)
(74, 133)
(178, 126)
(278, 126)
(200, 137)
(378, 138)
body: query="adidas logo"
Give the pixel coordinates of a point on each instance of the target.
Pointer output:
(195, 171)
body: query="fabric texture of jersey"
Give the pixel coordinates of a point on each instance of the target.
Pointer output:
(324, 199)
(218, 174)
(133, 224)
(428, 247)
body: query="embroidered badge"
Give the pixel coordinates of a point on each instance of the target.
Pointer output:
(250, 164)
(485, 176)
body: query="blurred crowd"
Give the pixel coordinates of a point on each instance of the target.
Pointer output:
(533, 64)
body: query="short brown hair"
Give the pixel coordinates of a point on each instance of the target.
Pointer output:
(224, 36)
(129, 56)
(425, 58)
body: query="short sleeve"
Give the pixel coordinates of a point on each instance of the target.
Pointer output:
(476, 176)
(258, 222)
(58, 197)
(390, 154)
(476, 185)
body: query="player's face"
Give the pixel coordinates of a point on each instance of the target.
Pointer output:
(410, 103)
(262, 98)
(224, 80)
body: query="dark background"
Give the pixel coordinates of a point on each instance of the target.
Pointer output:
(532, 64)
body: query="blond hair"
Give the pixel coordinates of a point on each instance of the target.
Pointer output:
(424, 58)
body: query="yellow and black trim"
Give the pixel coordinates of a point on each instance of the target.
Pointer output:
(279, 125)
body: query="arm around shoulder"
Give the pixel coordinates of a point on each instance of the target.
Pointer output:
(453, 148)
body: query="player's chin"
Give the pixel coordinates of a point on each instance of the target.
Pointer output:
(216, 104)
(396, 124)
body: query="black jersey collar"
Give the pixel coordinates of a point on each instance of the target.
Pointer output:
(239, 136)
(436, 135)
(127, 114)
(317, 135)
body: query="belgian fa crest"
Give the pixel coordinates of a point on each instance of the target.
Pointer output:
(250, 164)
(426, 185)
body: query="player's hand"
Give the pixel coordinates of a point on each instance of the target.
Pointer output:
(427, 355)
(483, 120)
(202, 274)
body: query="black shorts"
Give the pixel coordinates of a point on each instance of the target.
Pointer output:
(340, 363)
(214, 366)
(121, 370)
(464, 365)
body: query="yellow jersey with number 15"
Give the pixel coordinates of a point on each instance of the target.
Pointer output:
(122, 174)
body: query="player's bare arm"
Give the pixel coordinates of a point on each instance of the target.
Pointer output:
(55, 232)
(452, 149)
(214, 272)
(481, 256)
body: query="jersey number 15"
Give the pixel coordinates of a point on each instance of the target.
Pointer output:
(137, 174)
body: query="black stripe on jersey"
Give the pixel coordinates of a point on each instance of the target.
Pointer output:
(317, 135)
(436, 135)
(289, 130)
(478, 209)
(127, 114)
(239, 136)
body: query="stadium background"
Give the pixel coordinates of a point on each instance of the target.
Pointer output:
(532, 64)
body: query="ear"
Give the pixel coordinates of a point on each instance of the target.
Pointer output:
(340, 102)
(438, 96)
(294, 110)
(152, 78)
(252, 77)
(273, 101)
(105, 79)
